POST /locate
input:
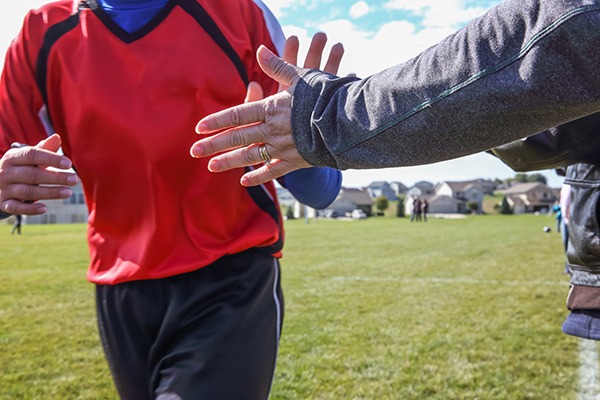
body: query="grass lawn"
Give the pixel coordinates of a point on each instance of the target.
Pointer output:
(375, 309)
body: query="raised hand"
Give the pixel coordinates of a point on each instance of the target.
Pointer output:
(265, 122)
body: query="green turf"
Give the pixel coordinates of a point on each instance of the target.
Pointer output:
(375, 309)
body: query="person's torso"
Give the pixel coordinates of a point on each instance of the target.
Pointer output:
(126, 105)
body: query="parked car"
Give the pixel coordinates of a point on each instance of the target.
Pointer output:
(327, 213)
(358, 214)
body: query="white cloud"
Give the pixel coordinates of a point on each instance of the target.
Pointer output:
(435, 13)
(367, 52)
(277, 6)
(359, 9)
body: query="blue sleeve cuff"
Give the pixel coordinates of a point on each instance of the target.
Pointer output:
(317, 187)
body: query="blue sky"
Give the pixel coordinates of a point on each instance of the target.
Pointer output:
(376, 34)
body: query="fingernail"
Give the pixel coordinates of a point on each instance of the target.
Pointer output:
(65, 163)
(213, 166)
(200, 127)
(264, 55)
(72, 180)
(196, 151)
(244, 181)
(66, 192)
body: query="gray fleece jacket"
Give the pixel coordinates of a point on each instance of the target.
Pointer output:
(523, 67)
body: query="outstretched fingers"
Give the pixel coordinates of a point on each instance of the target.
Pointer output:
(228, 140)
(335, 58)
(244, 114)
(315, 51)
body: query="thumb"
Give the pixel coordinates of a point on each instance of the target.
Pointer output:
(51, 143)
(283, 72)
(254, 92)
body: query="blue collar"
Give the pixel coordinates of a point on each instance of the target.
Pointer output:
(131, 15)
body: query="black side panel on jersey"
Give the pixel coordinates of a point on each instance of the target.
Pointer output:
(194, 8)
(52, 35)
(267, 204)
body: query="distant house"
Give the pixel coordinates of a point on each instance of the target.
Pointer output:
(381, 188)
(350, 199)
(420, 189)
(530, 197)
(438, 204)
(399, 188)
(443, 204)
(287, 200)
(465, 192)
(486, 186)
(67, 211)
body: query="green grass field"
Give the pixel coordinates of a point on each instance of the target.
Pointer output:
(375, 309)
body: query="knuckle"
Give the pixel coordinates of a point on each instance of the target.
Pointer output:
(32, 174)
(4, 175)
(236, 116)
(248, 156)
(225, 163)
(208, 146)
(26, 192)
(29, 153)
(236, 138)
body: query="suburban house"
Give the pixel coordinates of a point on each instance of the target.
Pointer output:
(350, 199)
(449, 197)
(530, 197)
(398, 187)
(464, 192)
(438, 204)
(67, 211)
(487, 186)
(421, 189)
(381, 188)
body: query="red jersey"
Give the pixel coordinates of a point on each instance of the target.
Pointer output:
(126, 105)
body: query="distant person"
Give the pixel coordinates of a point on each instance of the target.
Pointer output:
(557, 211)
(17, 225)
(416, 211)
(424, 209)
(419, 210)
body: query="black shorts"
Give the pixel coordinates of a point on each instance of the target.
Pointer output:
(209, 334)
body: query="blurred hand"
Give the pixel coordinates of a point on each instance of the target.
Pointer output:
(263, 122)
(25, 177)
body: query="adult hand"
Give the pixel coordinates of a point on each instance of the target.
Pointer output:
(265, 122)
(25, 177)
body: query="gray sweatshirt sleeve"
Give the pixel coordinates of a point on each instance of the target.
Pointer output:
(523, 67)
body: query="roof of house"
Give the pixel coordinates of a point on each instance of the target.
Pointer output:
(523, 188)
(423, 184)
(459, 186)
(377, 184)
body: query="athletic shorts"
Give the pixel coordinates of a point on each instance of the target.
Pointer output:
(209, 334)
